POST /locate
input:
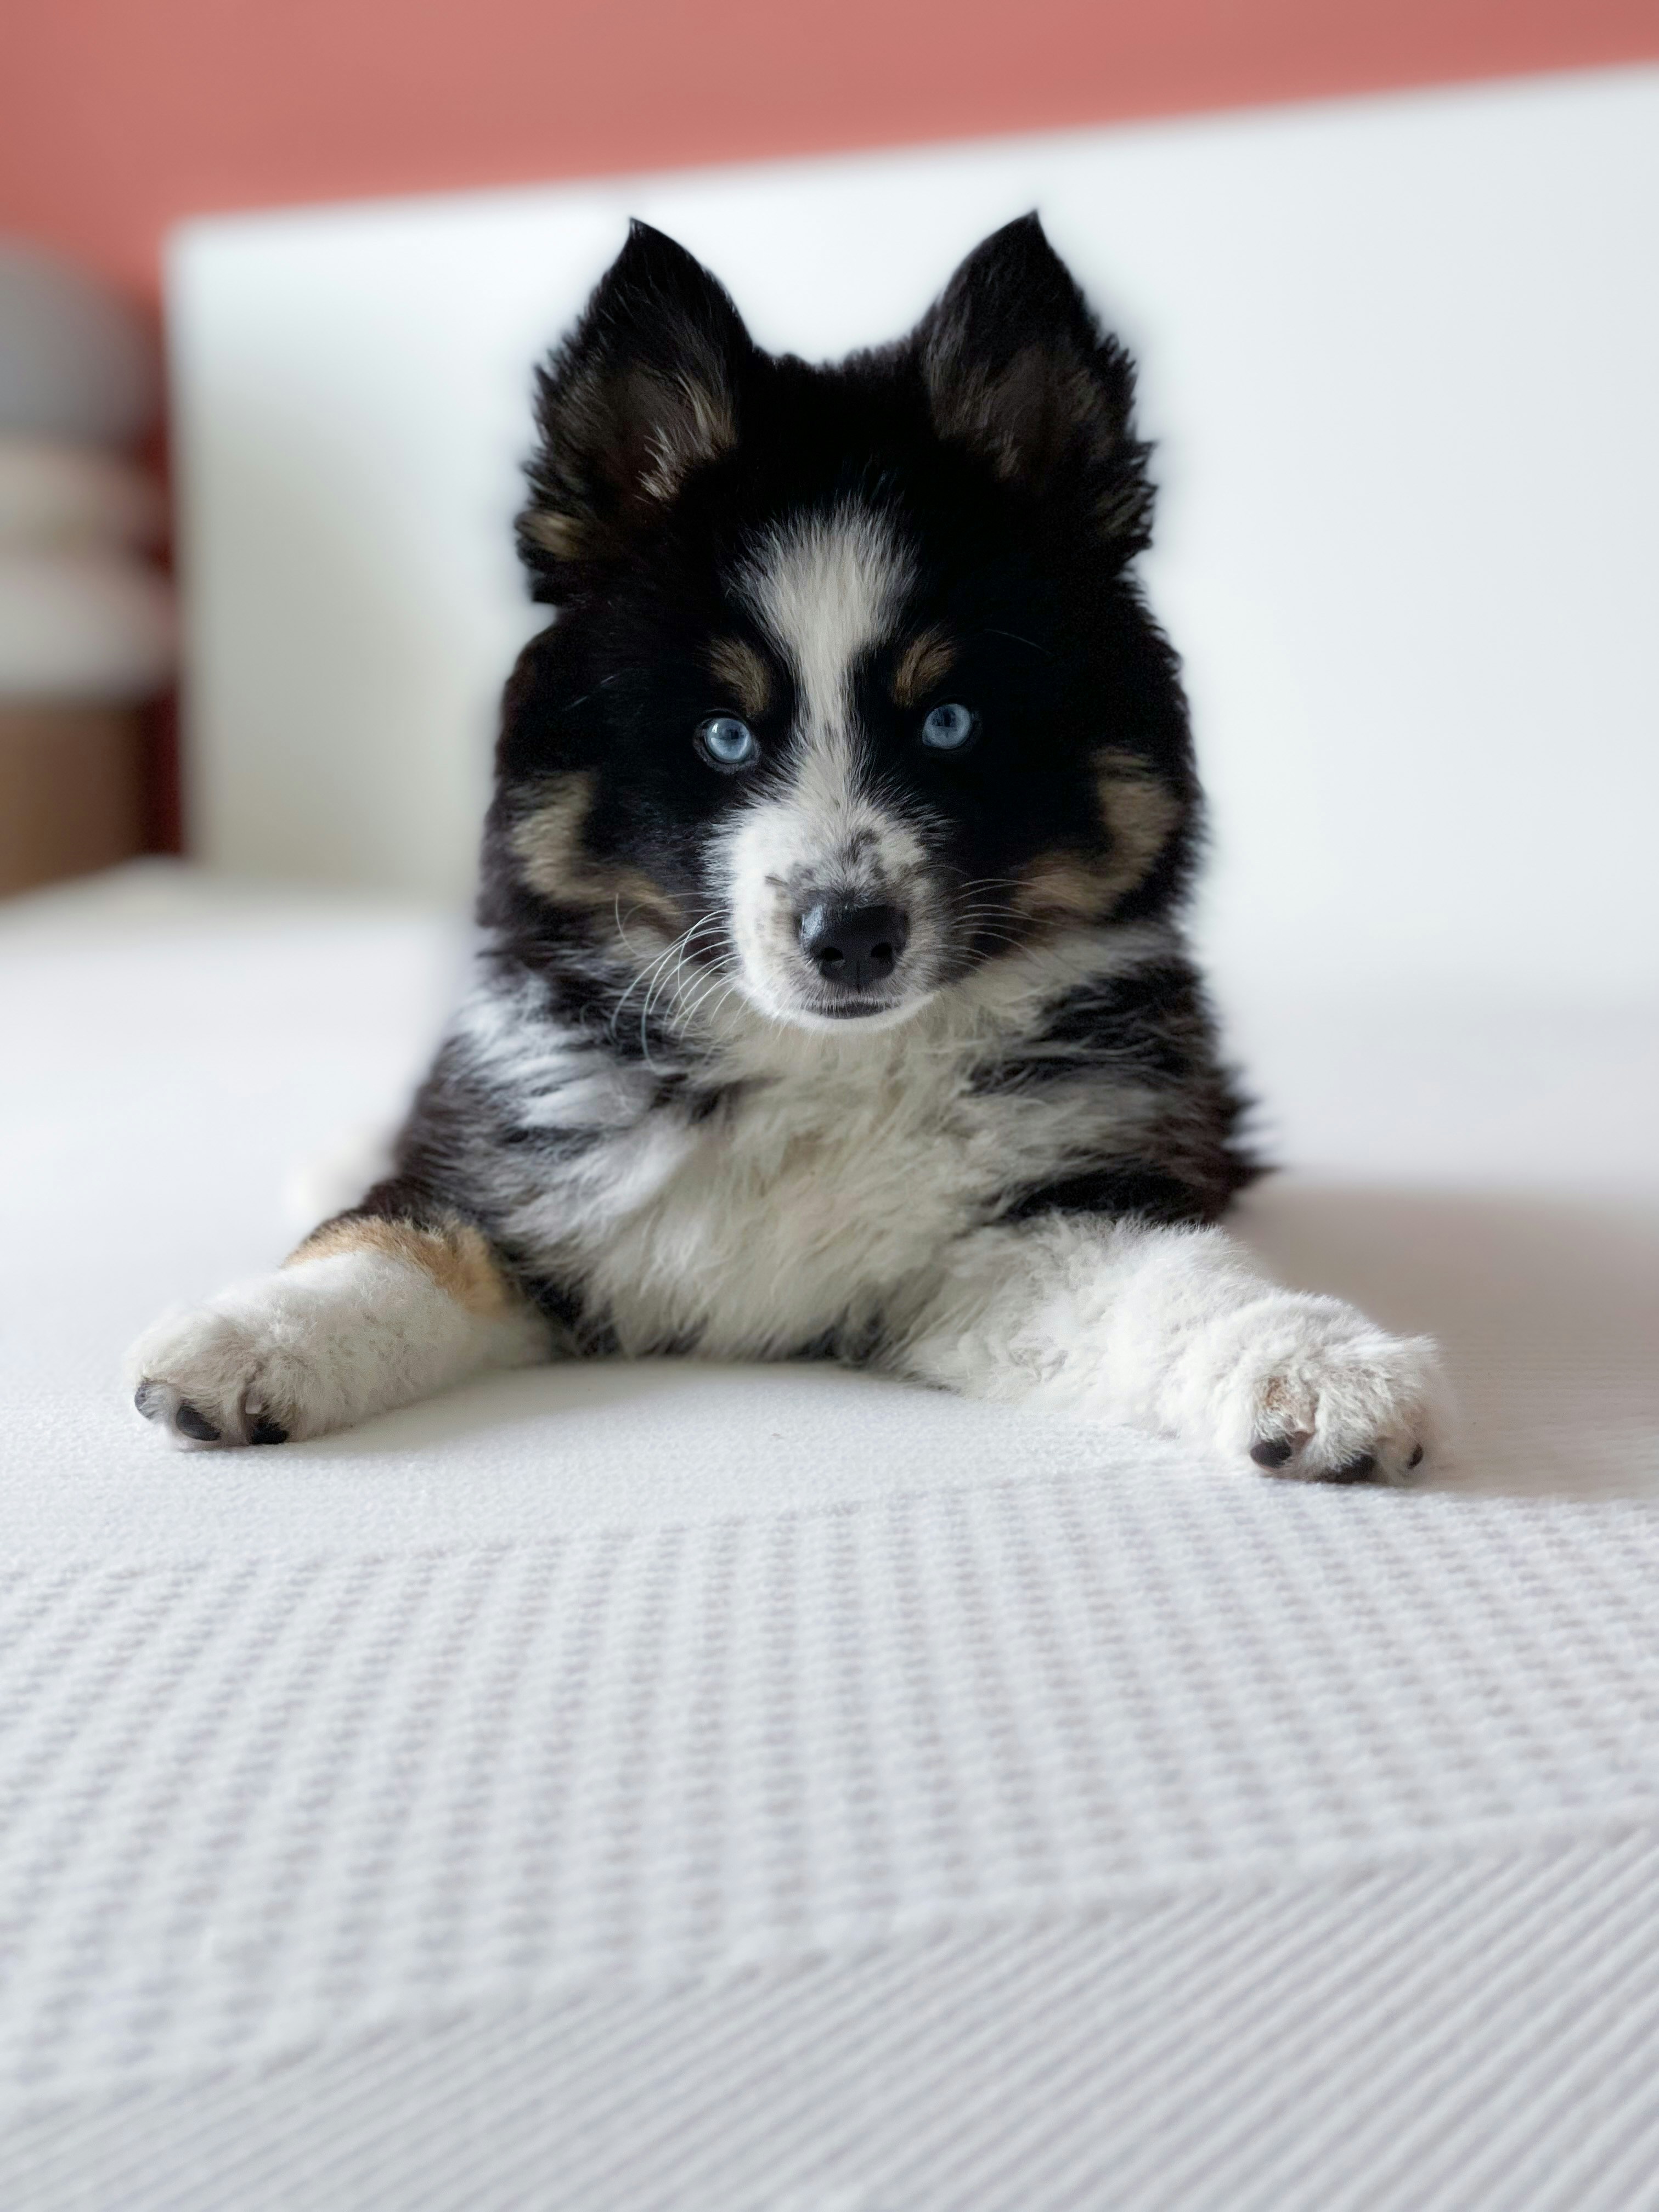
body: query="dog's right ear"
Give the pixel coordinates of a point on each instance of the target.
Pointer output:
(645, 389)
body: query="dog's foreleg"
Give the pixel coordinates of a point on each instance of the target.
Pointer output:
(1176, 1331)
(375, 1309)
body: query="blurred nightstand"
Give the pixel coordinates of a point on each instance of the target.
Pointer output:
(71, 790)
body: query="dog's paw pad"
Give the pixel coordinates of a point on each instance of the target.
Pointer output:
(173, 1414)
(1313, 1392)
(181, 1420)
(1275, 1455)
(1272, 1451)
(159, 1402)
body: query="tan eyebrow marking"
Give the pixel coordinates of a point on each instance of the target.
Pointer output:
(925, 661)
(743, 673)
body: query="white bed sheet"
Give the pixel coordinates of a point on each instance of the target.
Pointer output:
(659, 1786)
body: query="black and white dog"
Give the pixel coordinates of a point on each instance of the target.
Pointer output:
(832, 997)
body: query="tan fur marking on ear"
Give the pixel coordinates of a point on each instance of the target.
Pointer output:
(548, 845)
(457, 1257)
(743, 671)
(1141, 812)
(564, 536)
(1026, 417)
(714, 425)
(695, 423)
(925, 662)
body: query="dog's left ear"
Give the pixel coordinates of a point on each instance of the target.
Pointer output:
(645, 389)
(1015, 366)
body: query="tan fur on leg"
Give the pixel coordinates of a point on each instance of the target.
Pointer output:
(456, 1256)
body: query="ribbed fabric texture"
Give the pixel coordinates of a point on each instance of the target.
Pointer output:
(1437, 2033)
(255, 1808)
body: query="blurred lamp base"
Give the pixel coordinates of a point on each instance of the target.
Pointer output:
(71, 791)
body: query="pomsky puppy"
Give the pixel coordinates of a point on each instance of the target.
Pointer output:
(831, 997)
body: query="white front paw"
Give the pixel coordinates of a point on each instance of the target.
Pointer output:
(231, 1373)
(322, 1344)
(1308, 1386)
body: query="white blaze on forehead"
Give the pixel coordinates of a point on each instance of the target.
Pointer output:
(827, 587)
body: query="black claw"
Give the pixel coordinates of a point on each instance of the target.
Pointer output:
(151, 1400)
(193, 1424)
(1271, 1451)
(267, 1432)
(1416, 1458)
(1355, 1470)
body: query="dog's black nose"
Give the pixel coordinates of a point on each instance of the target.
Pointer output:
(853, 945)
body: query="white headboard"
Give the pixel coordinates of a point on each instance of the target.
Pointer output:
(1402, 360)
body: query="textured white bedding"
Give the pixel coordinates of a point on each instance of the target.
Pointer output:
(651, 1787)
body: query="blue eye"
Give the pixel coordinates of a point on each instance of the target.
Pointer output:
(947, 729)
(727, 742)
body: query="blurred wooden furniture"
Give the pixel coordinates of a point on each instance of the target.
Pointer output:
(71, 794)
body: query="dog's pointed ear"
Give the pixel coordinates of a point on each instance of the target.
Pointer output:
(645, 389)
(1016, 367)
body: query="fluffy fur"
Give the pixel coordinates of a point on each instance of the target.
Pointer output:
(832, 996)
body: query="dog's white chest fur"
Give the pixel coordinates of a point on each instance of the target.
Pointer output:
(832, 1173)
(803, 1202)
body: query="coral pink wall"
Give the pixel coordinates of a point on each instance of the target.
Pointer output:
(117, 118)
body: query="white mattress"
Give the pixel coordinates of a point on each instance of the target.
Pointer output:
(619, 1788)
